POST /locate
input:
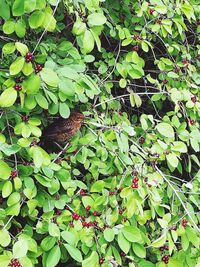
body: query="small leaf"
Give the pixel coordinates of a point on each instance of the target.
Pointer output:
(131, 233)
(8, 98)
(17, 66)
(64, 110)
(18, 8)
(74, 253)
(109, 234)
(22, 48)
(165, 129)
(20, 249)
(5, 170)
(96, 19)
(53, 257)
(4, 238)
(49, 77)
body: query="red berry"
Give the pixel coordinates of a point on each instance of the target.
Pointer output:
(88, 208)
(101, 261)
(82, 192)
(57, 212)
(185, 61)
(105, 226)
(135, 180)
(95, 213)
(75, 216)
(136, 48)
(90, 224)
(162, 248)
(122, 253)
(38, 68)
(71, 224)
(136, 185)
(166, 247)
(159, 21)
(94, 223)
(14, 173)
(184, 223)
(141, 140)
(84, 224)
(111, 193)
(120, 113)
(121, 212)
(151, 11)
(194, 99)
(25, 118)
(165, 81)
(18, 87)
(29, 57)
(191, 122)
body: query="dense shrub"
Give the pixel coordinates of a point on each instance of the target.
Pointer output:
(125, 192)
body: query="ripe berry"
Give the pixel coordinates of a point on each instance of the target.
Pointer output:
(166, 247)
(120, 113)
(151, 11)
(122, 253)
(135, 180)
(84, 224)
(57, 212)
(14, 263)
(185, 61)
(105, 226)
(134, 173)
(82, 192)
(165, 81)
(29, 57)
(134, 185)
(162, 248)
(194, 99)
(191, 122)
(14, 173)
(136, 48)
(184, 223)
(165, 258)
(18, 87)
(71, 224)
(38, 68)
(95, 213)
(75, 216)
(141, 140)
(88, 208)
(111, 193)
(101, 261)
(159, 21)
(25, 118)
(121, 212)
(94, 223)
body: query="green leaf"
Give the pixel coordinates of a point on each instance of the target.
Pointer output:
(9, 27)
(8, 48)
(64, 110)
(109, 234)
(4, 10)
(8, 98)
(20, 249)
(7, 189)
(54, 229)
(36, 19)
(49, 22)
(179, 147)
(123, 243)
(32, 84)
(53, 257)
(97, 186)
(18, 8)
(4, 238)
(41, 100)
(88, 42)
(20, 28)
(49, 77)
(96, 19)
(22, 48)
(139, 250)
(92, 260)
(131, 233)
(165, 129)
(74, 253)
(5, 170)
(48, 242)
(172, 159)
(160, 241)
(17, 66)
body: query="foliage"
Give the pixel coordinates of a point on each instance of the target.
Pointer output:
(126, 190)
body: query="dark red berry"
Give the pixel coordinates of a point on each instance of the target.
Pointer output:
(57, 212)
(134, 173)
(29, 57)
(101, 261)
(111, 193)
(141, 140)
(82, 192)
(38, 68)
(88, 208)
(166, 247)
(136, 48)
(151, 11)
(25, 118)
(94, 223)
(185, 61)
(135, 180)
(165, 258)
(162, 248)
(121, 212)
(105, 226)
(18, 87)
(184, 223)
(120, 113)
(84, 224)
(122, 253)
(14, 173)
(191, 122)
(95, 213)
(165, 81)
(194, 99)
(158, 21)
(71, 224)
(75, 216)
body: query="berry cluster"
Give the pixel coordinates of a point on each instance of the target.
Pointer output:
(76, 217)
(89, 224)
(135, 182)
(184, 223)
(13, 174)
(151, 11)
(38, 68)
(165, 258)
(164, 248)
(29, 57)
(18, 87)
(14, 263)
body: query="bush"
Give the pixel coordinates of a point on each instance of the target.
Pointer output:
(125, 192)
